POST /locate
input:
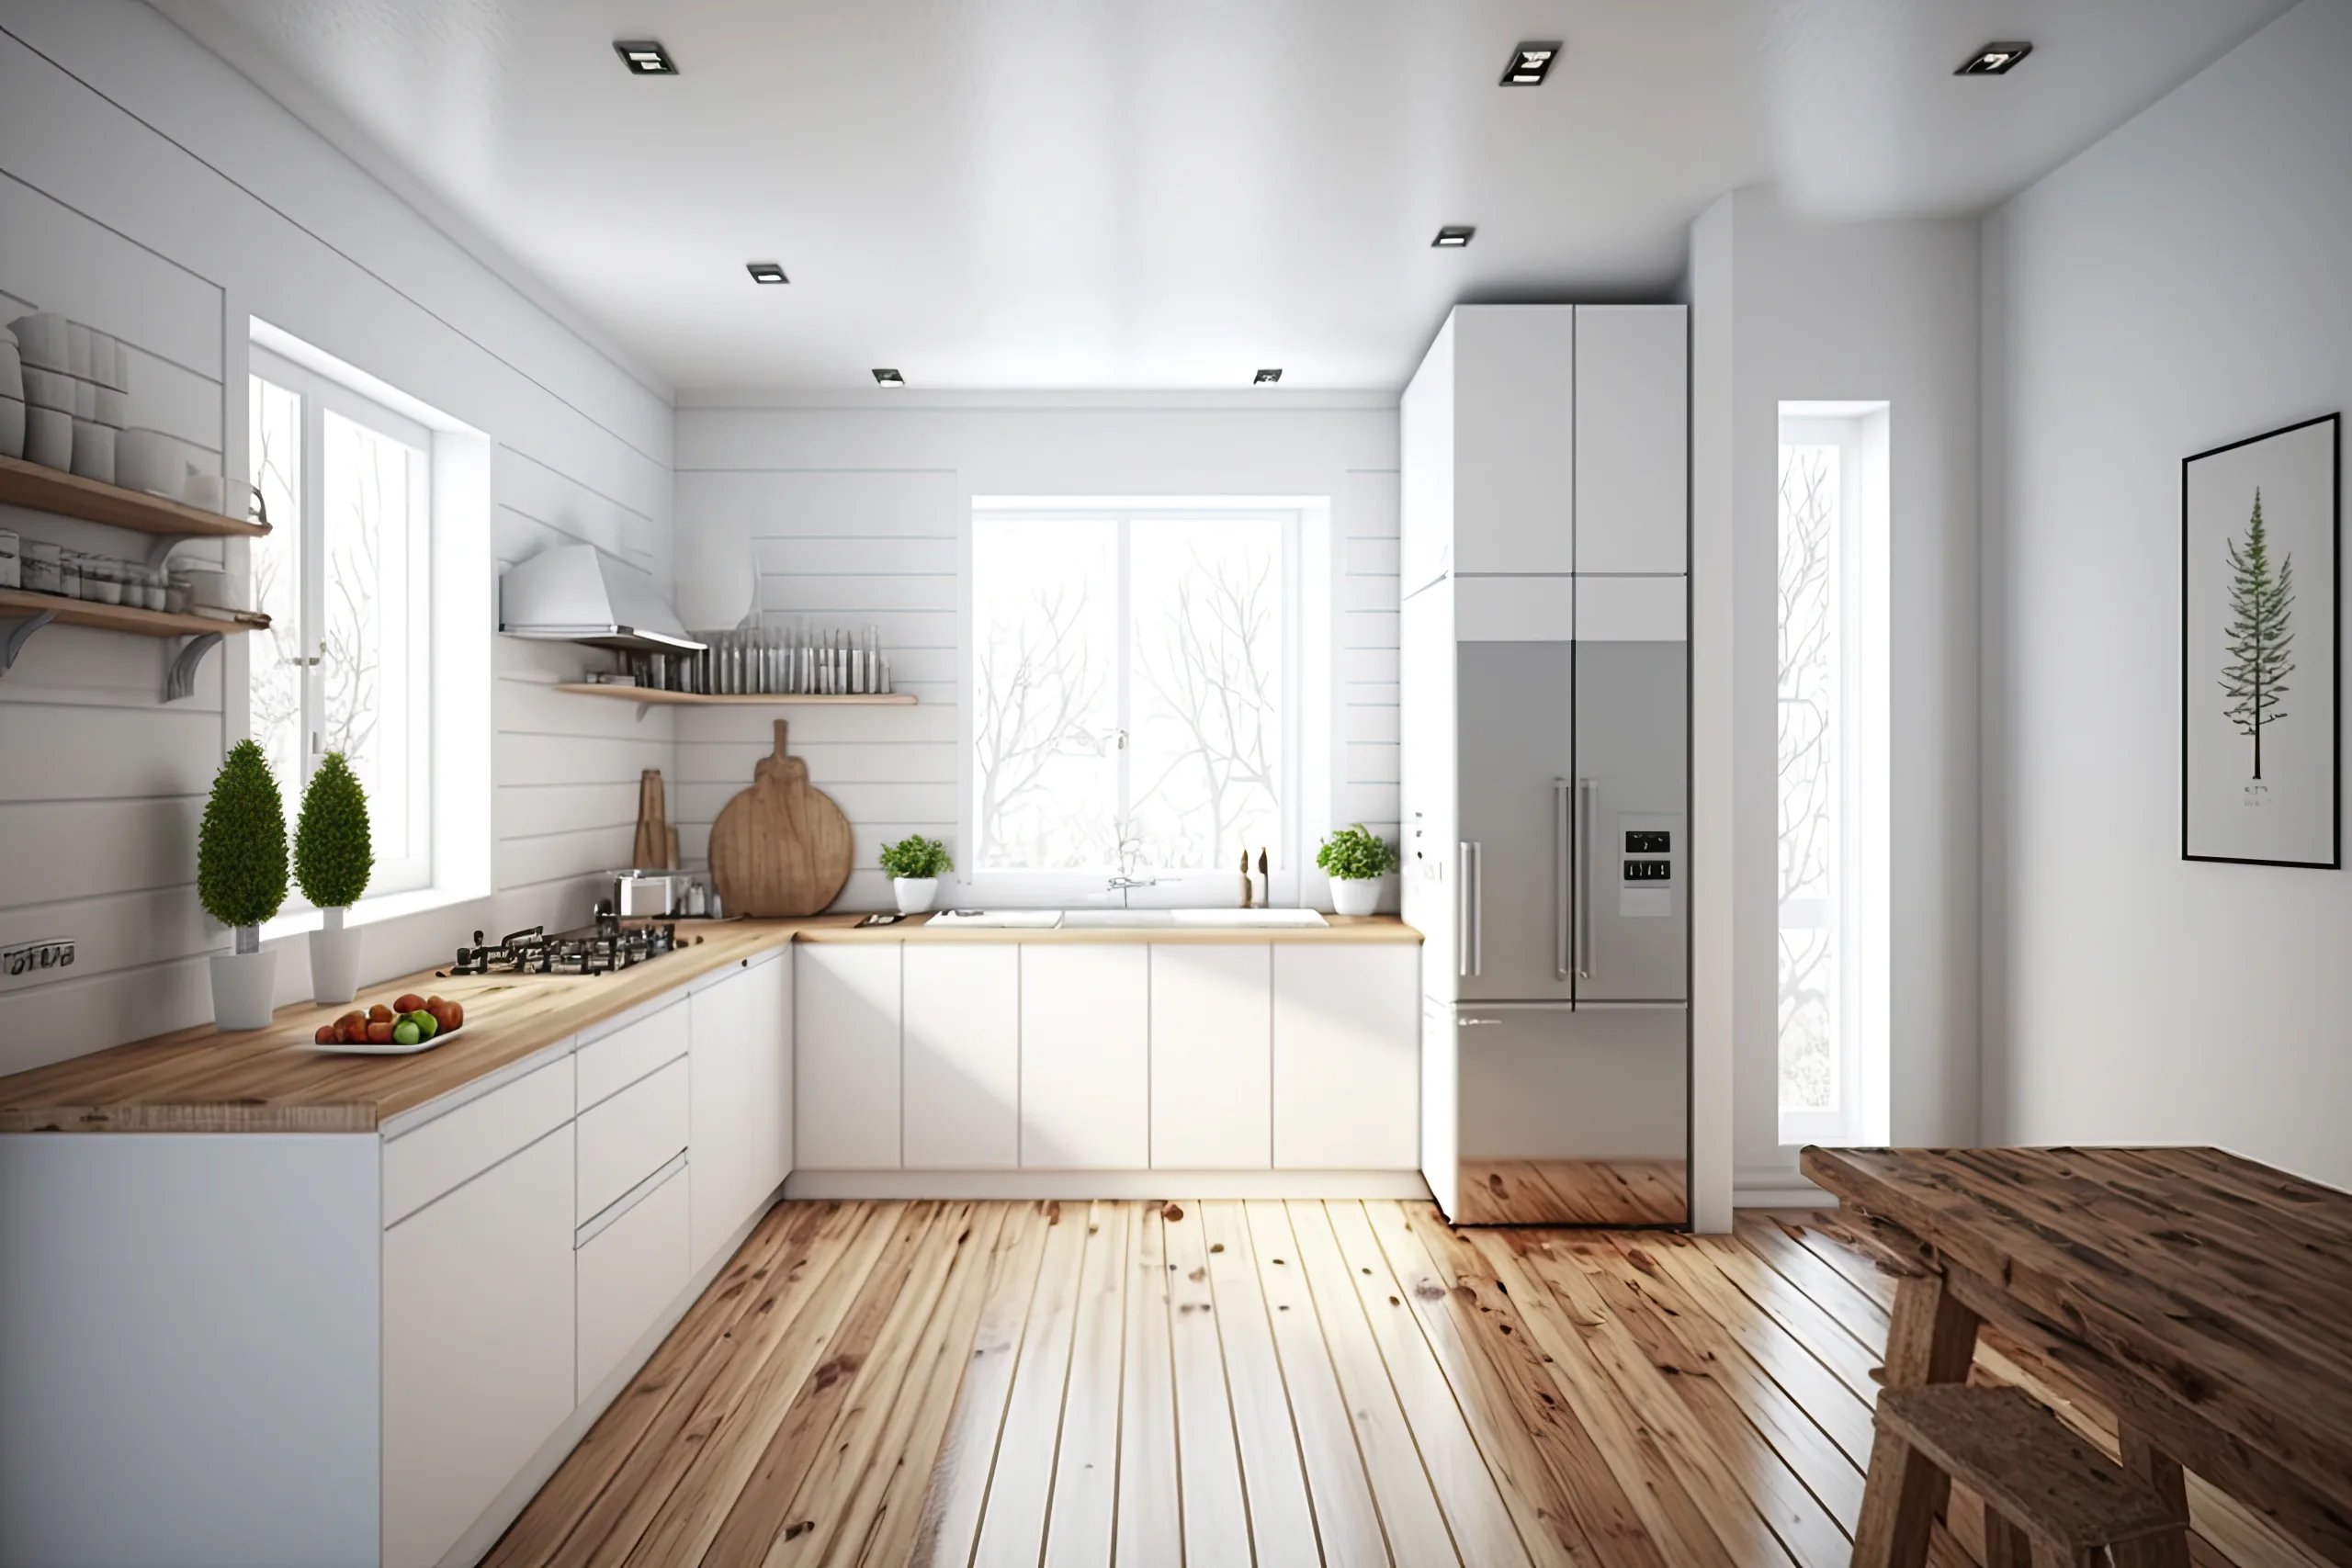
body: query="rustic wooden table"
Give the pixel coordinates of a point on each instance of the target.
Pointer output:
(2206, 1298)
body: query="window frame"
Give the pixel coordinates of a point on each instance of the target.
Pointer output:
(414, 873)
(1072, 886)
(1859, 907)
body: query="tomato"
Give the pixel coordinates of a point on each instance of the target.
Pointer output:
(328, 1034)
(409, 1002)
(379, 1032)
(380, 1013)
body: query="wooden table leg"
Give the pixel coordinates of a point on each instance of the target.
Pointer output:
(1931, 1339)
(2160, 1469)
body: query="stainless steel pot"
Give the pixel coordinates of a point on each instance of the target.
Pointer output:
(647, 895)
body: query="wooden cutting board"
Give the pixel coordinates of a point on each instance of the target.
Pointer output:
(780, 848)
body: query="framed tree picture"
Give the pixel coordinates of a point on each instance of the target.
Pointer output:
(2258, 525)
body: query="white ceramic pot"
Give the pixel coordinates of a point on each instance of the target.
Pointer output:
(1356, 896)
(93, 450)
(12, 428)
(41, 337)
(242, 986)
(335, 959)
(914, 893)
(150, 460)
(114, 408)
(48, 437)
(48, 388)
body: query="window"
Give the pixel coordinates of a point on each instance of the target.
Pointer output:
(346, 575)
(1832, 773)
(1134, 691)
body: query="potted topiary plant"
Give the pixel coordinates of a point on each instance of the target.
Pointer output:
(914, 864)
(240, 881)
(1356, 860)
(333, 857)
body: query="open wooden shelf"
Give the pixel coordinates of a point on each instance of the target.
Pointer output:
(16, 602)
(70, 495)
(647, 694)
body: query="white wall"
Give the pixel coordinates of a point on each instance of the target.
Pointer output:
(148, 189)
(1785, 308)
(858, 514)
(2181, 284)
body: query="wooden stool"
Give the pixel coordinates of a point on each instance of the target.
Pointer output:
(2043, 1485)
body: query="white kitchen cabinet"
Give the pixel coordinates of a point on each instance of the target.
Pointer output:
(962, 1057)
(1085, 1056)
(1347, 1057)
(1425, 482)
(846, 1055)
(478, 1346)
(1514, 455)
(631, 1135)
(629, 1268)
(719, 1149)
(1633, 438)
(767, 1021)
(1212, 1056)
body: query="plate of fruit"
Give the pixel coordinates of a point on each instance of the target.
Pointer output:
(399, 1028)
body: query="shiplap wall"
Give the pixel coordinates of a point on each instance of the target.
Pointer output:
(858, 515)
(150, 190)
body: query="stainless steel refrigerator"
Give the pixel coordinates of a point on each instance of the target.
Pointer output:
(1546, 843)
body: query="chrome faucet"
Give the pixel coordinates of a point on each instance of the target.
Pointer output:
(1125, 879)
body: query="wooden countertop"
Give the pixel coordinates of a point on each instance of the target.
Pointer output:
(272, 1080)
(1354, 929)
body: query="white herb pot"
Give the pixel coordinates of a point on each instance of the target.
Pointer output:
(335, 959)
(1356, 896)
(242, 986)
(914, 893)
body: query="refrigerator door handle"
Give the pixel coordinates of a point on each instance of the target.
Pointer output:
(1472, 941)
(1461, 909)
(1563, 917)
(1584, 879)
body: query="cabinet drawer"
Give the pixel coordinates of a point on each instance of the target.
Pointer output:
(627, 1054)
(422, 1165)
(630, 1136)
(629, 1272)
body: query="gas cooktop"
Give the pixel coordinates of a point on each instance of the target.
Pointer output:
(601, 948)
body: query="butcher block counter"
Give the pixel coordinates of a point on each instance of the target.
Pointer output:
(274, 1080)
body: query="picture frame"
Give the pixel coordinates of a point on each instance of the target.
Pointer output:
(2260, 520)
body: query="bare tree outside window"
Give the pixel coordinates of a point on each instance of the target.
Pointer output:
(1809, 824)
(1127, 687)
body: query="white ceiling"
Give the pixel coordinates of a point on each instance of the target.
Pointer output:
(1133, 194)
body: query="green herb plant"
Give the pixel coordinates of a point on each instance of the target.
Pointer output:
(332, 854)
(916, 858)
(1356, 854)
(240, 849)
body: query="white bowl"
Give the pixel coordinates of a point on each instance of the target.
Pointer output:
(114, 407)
(41, 338)
(86, 399)
(12, 427)
(48, 388)
(151, 461)
(93, 450)
(48, 437)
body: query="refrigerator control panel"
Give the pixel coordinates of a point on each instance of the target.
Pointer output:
(1645, 874)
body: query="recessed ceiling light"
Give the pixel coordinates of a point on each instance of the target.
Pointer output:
(1453, 237)
(765, 272)
(1267, 376)
(644, 57)
(1530, 63)
(887, 377)
(1993, 60)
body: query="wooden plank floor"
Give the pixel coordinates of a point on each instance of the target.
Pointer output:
(1278, 1383)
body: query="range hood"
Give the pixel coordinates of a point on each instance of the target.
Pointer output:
(577, 593)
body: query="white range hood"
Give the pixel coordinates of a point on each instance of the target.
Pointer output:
(577, 593)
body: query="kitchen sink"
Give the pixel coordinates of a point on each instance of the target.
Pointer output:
(1198, 919)
(1139, 920)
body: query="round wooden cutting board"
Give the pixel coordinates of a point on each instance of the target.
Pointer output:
(779, 848)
